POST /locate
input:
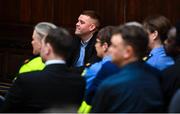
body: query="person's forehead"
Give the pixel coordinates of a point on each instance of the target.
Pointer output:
(85, 18)
(117, 38)
(35, 35)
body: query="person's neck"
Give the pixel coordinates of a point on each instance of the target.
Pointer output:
(157, 44)
(106, 54)
(86, 37)
(55, 57)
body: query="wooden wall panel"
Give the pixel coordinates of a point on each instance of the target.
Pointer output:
(66, 12)
(41, 10)
(34, 11)
(9, 11)
(25, 11)
(11, 59)
(111, 12)
(140, 9)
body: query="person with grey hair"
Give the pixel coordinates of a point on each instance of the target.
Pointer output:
(134, 23)
(54, 89)
(35, 63)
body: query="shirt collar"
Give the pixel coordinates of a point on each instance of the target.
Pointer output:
(49, 62)
(84, 43)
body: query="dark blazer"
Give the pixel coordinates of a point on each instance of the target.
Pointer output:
(171, 81)
(90, 52)
(136, 88)
(53, 87)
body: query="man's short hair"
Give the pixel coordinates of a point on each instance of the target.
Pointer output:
(94, 16)
(104, 35)
(134, 36)
(158, 23)
(43, 28)
(60, 40)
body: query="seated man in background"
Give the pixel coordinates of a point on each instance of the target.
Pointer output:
(172, 42)
(136, 87)
(35, 63)
(171, 78)
(52, 88)
(106, 70)
(84, 52)
(157, 28)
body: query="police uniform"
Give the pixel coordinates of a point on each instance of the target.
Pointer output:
(32, 65)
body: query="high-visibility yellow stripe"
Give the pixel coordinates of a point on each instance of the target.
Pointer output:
(84, 108)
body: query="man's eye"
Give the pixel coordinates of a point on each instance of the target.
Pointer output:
(82, 22)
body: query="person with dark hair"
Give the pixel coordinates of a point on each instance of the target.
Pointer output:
(171, 77)
(102, 45)
(51, 88)
(136, 87)
(157, 28)
(84, 52)
(107, 69)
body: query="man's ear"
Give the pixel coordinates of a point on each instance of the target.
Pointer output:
(105, 46)
(128, 52)
(92, 27)
(155, 34)
(48, 48)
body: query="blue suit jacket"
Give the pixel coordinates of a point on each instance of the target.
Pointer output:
(136, 88)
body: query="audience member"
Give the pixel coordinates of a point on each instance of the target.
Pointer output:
(102, 44)
(171, 78)
(84, 52)
(157, 28)
(172, 42)
(35, 63)
(107, 70)
(52, 88)
(136, 87)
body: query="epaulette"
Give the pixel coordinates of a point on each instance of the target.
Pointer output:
(26, 61)
(88, 64)
(147, 57)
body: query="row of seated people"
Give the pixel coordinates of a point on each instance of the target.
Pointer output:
(103, 71)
